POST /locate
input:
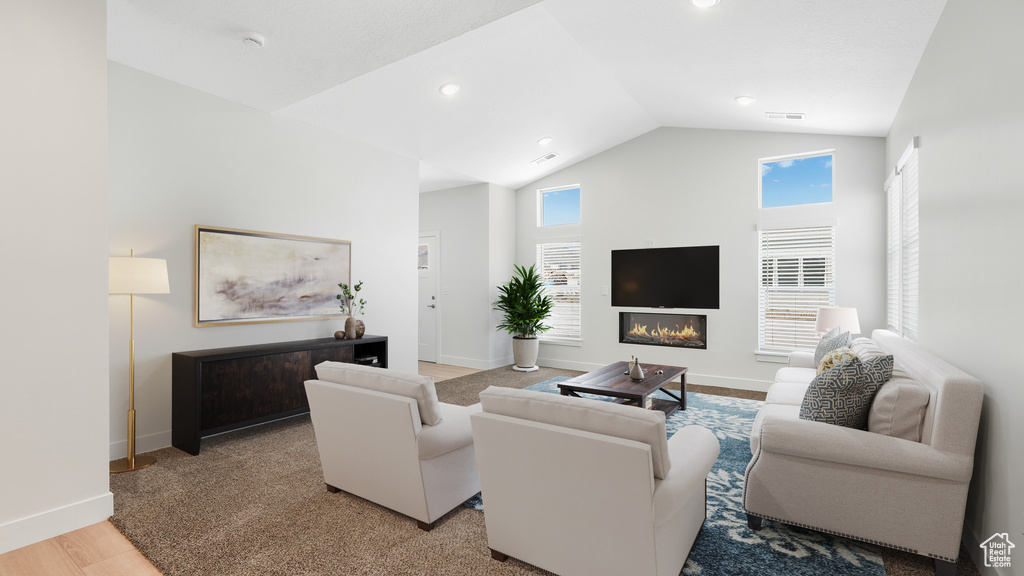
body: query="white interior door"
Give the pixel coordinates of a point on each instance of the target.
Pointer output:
(427, 262)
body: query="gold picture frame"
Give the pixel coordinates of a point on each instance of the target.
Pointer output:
(250, 277)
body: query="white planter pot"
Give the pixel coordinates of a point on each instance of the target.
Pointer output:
(525, 351)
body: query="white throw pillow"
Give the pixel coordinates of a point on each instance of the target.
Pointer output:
(628, 422)
(898, 408)
(419, 388)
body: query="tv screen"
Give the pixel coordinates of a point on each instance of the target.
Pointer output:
(681, 277)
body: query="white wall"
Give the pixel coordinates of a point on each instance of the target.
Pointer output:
(690, 187)
(180, 157)
(501, 262)
(963, 105)
(53, 240)
(477, 226)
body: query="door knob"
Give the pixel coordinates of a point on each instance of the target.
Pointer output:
(431, 306)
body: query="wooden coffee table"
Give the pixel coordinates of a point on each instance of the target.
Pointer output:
(614, 381)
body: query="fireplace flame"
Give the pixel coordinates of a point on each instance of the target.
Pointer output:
(664, 335)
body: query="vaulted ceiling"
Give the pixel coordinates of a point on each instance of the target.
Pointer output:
(589, 74)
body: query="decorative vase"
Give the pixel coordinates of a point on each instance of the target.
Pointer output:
(636, 372)
(525, 351)
(350, 328)
(360, 329)
(340, 334)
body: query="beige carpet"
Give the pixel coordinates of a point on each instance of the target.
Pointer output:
(254, 503)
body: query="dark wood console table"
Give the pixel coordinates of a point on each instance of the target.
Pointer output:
(217, 390)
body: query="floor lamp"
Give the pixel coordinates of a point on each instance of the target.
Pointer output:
(135, 276)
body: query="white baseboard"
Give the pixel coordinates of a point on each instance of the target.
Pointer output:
(143, 444)
(474, 362)
(691, 378)
(45, 525)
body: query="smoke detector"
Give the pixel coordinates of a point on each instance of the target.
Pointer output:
(545, 158)
(254, 40)
(785, 115)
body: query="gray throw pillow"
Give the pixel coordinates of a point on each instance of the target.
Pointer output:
(842, 395)
(832, 340)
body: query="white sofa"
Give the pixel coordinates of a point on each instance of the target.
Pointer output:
(901, 483)
(583, 487)
(383, 436)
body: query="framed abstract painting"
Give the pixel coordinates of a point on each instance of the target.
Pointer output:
(245, 277)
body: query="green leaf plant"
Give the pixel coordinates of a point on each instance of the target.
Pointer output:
(349, 304)
(524, 304)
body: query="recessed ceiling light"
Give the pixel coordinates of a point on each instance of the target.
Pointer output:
(449, 89)
(254, 40)
(745, 100)
(703, 3)
(545, 141)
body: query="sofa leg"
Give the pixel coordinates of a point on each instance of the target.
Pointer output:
(332, 489)
(943, 568)
(753, 522)
(498, 555)
(424, 526)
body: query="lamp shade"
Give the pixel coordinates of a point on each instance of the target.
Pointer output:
(844, 318)
(138, 276)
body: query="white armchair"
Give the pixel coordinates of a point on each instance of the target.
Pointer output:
(584, 487)
(383, 436)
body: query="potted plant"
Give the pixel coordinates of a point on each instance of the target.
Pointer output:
(525, 307)
(351, 306)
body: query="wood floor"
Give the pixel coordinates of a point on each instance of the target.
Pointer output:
(101, 550)
(97, 550)
(443, 372)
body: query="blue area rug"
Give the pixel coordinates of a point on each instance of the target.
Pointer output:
(725, 546)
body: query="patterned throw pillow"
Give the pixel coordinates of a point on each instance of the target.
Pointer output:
(842, 395)
(835, 358)
(829, 342)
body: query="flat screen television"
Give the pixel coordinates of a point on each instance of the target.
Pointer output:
(680, 277)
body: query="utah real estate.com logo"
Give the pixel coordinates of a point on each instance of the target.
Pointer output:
(997, 550)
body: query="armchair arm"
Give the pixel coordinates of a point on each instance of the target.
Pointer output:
(694, 450)
(801, 359)
(451, 433)
(841, 445)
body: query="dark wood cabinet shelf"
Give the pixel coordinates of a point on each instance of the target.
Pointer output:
(222, 389)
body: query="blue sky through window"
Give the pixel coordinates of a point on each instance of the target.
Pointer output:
(560, 207)
(797, 181)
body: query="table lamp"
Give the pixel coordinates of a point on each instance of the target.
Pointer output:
(831, 316)
(135, 276)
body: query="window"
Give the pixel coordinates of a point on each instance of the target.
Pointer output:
(796, 180)
(903, 245)
(797, 277)
(558, 206)
(559, 265)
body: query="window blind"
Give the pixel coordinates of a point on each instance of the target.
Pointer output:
(559, 264)
(797, 277)
(894, 243)
(903, 262)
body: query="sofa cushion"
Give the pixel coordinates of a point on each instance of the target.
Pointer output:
(620, 421)
(843, 395)
(866, 349)
(419, 388)
(829, 342)
(798, 375)
(791, 393)
(899, 407)
(835, 358)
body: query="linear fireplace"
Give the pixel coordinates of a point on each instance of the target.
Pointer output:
(661, 329)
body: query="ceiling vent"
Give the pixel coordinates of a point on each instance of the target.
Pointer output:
(545, 158)
(785, 115)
